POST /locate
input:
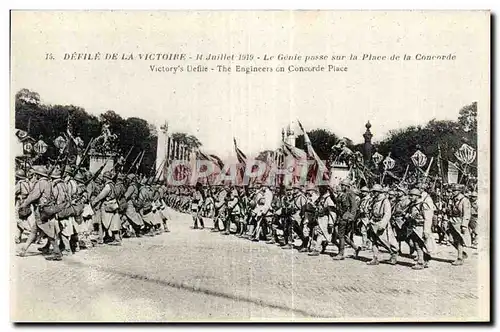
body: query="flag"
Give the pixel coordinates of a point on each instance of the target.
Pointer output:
(242, 159)
(318, 165)
(453, 171)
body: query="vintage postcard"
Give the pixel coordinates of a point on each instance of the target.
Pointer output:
(250, 166)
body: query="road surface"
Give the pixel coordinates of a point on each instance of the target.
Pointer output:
(196, 275)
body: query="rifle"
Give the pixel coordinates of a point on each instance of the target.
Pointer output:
(133, 163)
(98, 172)
(139, 163)
(85, 154)
(116, 164)
(404, 176)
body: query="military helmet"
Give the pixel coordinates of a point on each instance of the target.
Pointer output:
(473, 194)
(20, 174)
(120, 177)
(377, 188)
(365, 189)
(56, 174)
(415, 192)
(40, 170)
(79, 177)
(345, 182)
(107, 175)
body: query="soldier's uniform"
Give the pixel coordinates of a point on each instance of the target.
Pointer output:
(41, 197)
(145, 207)
(398, 220)
(131, 197)
(295, 208)
(347, 208)
(364, 217)
(83, 218)
(108, 207)
(233, 211)
(324, 221)
(196, 205)
(459, 218)
(22, 190)
(263, 213)
(473, 219)
(62, 196)
(379, 231)
(419, 220)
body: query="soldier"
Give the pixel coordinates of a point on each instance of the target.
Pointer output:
(419, 219)
(398, 220)
(347, 208)
(364, 217)
(108, 206)
(295, 207)
(233, 211)
(120, 189)
(473, 219)
(278, 214)
(263, 213)
(309, 217)
(94, 187)
(460, 214)
(196, 204)
(62, 196)
(209, 206)
(22, 191)
(379, 231)
(43, 200)
(145, 207)
(162, 210)
(131, 197)
(84, 215)
(324, 220)
(220, 210)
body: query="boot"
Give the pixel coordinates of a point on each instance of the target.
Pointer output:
(394, 259)
(458, 262)
(339, 257)
(374, 261)
(418, 266)
(313, 253)
(287, 246)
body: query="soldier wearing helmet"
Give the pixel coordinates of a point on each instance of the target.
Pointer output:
(380, 231)
(459, 218)
(364, 217)
(347, 208)
(419, 220)
(473, 219)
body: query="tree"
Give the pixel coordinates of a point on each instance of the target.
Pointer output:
(191, 141)
(468, 121)
(322, 141)
(25, 96)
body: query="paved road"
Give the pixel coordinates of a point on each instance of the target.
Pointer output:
(197, 275)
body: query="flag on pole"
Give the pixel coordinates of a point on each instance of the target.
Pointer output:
(318, 165)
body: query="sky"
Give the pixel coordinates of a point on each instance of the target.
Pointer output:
(215, 107)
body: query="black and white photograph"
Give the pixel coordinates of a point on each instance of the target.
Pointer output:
(250, 166)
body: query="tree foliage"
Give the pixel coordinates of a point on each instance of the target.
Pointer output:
(47, 122)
